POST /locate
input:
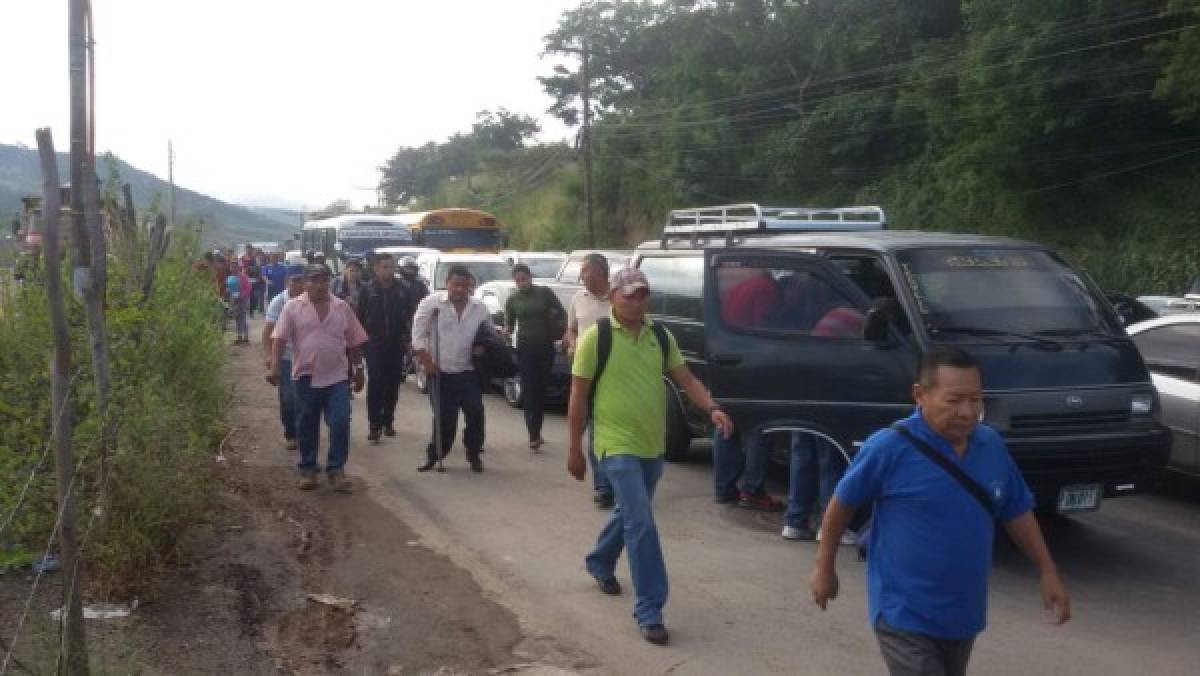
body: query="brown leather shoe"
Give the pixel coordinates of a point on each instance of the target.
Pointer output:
(308, 481)
(339, 483)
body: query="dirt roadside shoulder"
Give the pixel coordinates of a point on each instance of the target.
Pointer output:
(280, 580)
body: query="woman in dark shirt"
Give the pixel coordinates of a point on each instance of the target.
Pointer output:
(537, 317)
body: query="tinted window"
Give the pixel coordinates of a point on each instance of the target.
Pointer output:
(676, 286)
(1172, 350)
(1002, 290)
(785, 298)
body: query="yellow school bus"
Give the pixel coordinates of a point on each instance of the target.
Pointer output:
(455, 229)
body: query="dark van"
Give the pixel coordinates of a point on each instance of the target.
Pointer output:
(812, 321)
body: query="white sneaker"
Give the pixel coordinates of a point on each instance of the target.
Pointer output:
(793, 533)
(849, 539)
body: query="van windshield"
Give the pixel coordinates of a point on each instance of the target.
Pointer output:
(964, 293)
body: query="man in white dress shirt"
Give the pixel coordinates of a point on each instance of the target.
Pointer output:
(458, 318)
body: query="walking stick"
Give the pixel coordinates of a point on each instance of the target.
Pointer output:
(435, 387)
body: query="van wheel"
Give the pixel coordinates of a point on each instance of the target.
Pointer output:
(679, 435)
(512, 391)
(422, 381)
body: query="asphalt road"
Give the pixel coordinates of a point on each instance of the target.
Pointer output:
(739, 602)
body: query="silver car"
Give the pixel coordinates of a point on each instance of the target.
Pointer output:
(1170, 347)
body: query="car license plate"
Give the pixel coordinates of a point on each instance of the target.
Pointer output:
(1079, 498)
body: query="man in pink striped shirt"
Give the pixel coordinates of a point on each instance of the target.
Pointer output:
(325, 336)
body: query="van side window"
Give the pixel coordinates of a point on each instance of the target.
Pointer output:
(795, 300)
(869, 275)
(676, 285)
(570, 271)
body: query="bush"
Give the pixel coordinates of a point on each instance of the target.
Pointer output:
(167, 406)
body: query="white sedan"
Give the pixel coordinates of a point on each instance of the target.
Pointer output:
(1170, 346)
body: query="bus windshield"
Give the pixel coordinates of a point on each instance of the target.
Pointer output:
(964, 291)
(358, 240)
(448, 239)
(483, 271)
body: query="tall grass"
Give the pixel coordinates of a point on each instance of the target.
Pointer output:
(168, 405)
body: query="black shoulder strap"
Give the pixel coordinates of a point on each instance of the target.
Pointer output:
(664, 342)
(603, 349)
(952, 469)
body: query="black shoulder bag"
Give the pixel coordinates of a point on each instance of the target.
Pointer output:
(604, 349)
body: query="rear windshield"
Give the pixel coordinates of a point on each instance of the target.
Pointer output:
(484, 271)
(1008, 291)
(543, 267)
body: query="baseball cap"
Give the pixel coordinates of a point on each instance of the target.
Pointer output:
(317, 270)
(629, 280)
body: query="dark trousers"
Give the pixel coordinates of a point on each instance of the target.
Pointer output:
(258, 292)
(385, 372)
(458, 391)
(909, 654)
(534, 362)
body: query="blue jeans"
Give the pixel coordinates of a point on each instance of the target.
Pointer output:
(288, 405)
(816, 467)
(631, 526)
(733, 460)
(600, 482)
(333, 402)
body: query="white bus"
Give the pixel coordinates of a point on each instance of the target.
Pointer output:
(353, 235)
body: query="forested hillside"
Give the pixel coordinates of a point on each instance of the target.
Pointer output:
(224, 223)
(1068, 121)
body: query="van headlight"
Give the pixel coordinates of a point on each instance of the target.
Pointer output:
(1141, 404)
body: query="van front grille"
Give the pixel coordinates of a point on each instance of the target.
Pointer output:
(1074, 421)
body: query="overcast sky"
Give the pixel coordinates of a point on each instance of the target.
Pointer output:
(277, 102)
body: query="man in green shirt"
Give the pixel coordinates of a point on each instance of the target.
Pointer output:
(536, 316)
(629, 416)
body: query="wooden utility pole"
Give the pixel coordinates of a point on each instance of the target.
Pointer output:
(73, 644)
(171, 179)
(585, 93)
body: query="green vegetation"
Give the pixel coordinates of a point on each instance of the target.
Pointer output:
(168, 405)
(1072, 122)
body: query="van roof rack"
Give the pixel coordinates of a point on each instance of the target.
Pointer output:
(755, 218)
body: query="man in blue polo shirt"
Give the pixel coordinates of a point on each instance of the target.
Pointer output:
(930, 546)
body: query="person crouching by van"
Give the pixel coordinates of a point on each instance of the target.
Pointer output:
(939, 481)
(618, 375)
(815, 467)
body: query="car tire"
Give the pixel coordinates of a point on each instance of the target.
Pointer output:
(512, 391)
(422, 380)
(679, 435)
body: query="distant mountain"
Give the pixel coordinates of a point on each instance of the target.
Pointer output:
(224, 223)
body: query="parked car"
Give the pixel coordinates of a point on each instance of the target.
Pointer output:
(544, 265)
(1170, 347)
(433, 267)
(1170, 305)
(813, 321)
(399, 252)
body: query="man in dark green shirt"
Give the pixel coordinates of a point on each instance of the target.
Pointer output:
(537, 318)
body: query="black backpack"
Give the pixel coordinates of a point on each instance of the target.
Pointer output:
(604, 349)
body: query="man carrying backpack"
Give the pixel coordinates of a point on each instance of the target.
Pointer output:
(617, 375)
(939, 481)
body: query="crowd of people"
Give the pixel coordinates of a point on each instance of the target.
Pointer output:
(930, 529)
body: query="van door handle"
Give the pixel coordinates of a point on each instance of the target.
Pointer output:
(726, 359)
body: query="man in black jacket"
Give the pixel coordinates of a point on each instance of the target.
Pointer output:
(385, 311)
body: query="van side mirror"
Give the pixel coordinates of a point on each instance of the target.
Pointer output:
(875, 326)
